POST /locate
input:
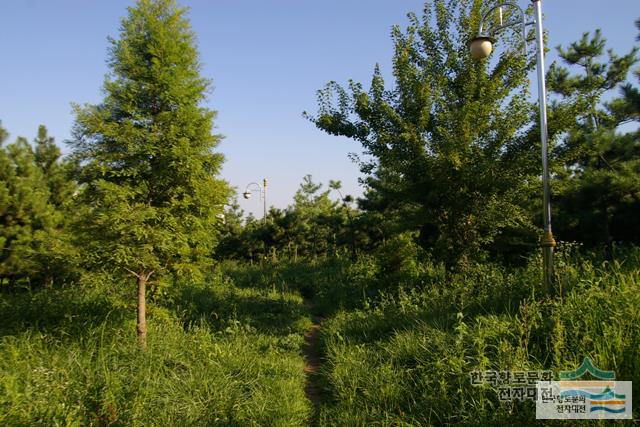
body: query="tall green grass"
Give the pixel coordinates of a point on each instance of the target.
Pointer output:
(404, 358)
(398, 343)
(217, 355)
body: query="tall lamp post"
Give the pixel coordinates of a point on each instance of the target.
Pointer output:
(481, 47)
(254, 186)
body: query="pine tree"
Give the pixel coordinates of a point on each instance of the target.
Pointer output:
(145, 154)
(627, 107)
(232, 245)
(313, 210)
(48, 158)
(598, 179)
(27, 219)
(58, 256)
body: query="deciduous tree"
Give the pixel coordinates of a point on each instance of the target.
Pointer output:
(447, 148)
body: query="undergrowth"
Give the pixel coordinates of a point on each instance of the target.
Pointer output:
(399, 342)
(217, 355)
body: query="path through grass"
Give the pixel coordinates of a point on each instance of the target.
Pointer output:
(313, 360)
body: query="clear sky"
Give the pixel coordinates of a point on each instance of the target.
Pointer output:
(266, 59)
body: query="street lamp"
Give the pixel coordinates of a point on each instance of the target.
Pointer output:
(480, 48)
(254, 186)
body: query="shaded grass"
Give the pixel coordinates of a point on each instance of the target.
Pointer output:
(405, 357)
(217, 355)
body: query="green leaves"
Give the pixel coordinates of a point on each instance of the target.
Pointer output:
(145, 152)
(445, 141)
(34, 191)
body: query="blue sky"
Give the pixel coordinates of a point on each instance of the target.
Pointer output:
(266, 60)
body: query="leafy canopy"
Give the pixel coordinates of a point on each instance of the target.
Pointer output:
(448, 147)
(145, 153)
(34, 193)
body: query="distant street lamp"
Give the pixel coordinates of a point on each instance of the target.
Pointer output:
(254, 186)
(480, 48)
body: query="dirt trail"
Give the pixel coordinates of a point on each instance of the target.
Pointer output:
(312, 363)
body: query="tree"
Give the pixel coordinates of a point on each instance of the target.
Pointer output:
(450, 153)
(33, 244)
(598, 179)
(346, 200)
(315, 212)
(314, 225)
(145, 154)
(627, 108)
(58, 256)
(231, 243)
(48, 158)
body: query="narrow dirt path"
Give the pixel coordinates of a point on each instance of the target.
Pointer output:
(312, 363)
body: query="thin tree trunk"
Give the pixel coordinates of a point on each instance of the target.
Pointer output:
(142, 313)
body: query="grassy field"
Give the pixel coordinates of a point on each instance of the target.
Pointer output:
(405, 358)
(397, 348)
(218, 354)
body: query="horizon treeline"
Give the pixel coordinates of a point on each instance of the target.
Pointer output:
(453, 163)
(451, 167)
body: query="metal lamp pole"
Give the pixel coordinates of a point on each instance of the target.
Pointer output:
(264, 199)
(481, 47)
(263, 195)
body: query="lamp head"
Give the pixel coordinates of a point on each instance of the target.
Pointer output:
(480, 47)
(247, 194)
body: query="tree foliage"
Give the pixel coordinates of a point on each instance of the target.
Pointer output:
(447, 148)
(35, 246)
(145, 153)
(315, 225)
(598, 174)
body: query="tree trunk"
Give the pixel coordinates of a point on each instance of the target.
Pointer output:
(142, 313)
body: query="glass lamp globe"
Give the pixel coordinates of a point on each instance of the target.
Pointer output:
(481, 47)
